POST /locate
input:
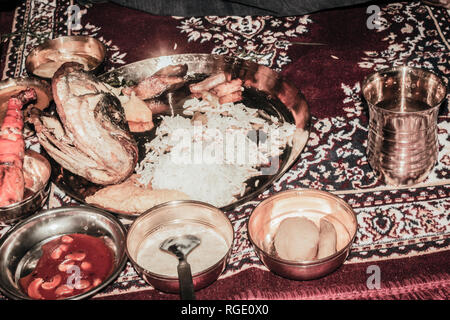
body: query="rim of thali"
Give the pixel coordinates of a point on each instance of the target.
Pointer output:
(226, 61)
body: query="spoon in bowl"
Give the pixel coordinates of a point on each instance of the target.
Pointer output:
(180, 247)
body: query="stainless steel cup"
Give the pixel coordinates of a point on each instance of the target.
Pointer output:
(403, 104)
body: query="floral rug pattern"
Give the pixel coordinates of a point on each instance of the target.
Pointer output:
(393, 223)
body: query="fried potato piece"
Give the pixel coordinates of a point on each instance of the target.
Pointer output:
(297, 239)
(209, 83)
(137, 113)
(342, 234)
(140, 126)
(228, 87)
(327, 239)
(136, 110)
(232, 97)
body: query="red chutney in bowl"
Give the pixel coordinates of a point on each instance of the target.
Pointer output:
(69, 265)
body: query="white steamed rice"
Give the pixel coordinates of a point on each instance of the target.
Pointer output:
(211, 162)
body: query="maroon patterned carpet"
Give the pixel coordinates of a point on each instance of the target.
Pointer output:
(403, 232)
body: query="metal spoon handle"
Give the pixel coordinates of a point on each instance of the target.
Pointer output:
(185, 279)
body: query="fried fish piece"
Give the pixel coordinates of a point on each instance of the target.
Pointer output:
(130, 197)
(90, 136)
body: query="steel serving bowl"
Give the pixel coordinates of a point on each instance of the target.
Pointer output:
(54, 52)
(312, 204)
(20, 247)
(11, 86)
(34, 199)
(179, 213)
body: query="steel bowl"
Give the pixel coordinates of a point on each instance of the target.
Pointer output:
(312, 204)
(37, 167)
(53, 52)
(179, 213)
(11, 86)
(20, 247)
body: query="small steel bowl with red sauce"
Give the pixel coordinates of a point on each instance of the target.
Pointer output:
(22, 247)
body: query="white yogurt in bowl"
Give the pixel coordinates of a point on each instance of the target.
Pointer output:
(173, 219)
(211, 249)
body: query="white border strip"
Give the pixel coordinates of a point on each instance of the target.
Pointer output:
(438, 27)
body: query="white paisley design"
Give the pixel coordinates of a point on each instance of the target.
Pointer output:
(417, 45)
(264, 39)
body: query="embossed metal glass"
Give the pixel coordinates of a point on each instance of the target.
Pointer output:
(403, 108)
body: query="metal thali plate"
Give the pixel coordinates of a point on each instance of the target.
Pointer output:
(264, 89)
